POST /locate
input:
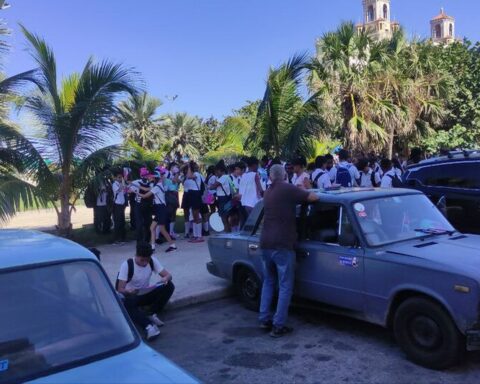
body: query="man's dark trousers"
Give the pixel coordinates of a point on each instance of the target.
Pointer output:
(156, 299)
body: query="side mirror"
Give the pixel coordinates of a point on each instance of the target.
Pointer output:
(348, 239)
(442, 205)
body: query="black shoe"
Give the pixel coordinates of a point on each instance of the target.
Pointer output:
(280, 331)
(266, 325)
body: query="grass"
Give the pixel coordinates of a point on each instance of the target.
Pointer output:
(87, 236)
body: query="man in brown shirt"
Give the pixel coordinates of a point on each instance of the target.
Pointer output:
(277, 241)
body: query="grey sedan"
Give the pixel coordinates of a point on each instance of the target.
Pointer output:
(388, 257)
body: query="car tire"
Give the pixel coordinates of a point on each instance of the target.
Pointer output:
(249, 288)
(427, 334)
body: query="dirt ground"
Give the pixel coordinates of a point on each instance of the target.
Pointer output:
(46, 219)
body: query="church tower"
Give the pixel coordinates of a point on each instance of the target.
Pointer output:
(443, 28)
(377, 19)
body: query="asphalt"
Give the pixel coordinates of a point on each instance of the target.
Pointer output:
(220, 342)
(193, 283)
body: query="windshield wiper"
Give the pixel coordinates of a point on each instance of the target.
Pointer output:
(435, 231)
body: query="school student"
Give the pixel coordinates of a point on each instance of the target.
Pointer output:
(320, 177)
(172, 185)
(368, 177)
(196, 187)
(101, 216)
(345, 173)
(143, 206)
(134, 284)
(223, 189)
(390, 176)
(119, 204)
(300, 177)
(250, 189)
(159, 211)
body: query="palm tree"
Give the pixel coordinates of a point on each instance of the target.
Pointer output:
(137, 117)
(75, 124)
(184, 138)
(285, 124)
(342, 74)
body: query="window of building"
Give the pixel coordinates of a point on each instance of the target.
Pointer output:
(385, 11)
(451, 30)
(438, 31)
(370, 14)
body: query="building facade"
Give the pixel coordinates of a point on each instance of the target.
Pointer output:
(443, 28)
(377, 19)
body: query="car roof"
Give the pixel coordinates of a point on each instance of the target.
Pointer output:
(347, 195)
(26, 247)
(452, 157)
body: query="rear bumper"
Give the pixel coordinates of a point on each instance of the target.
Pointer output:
(213, 269)
(473, 340)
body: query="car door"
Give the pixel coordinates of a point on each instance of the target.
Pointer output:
(327, 271)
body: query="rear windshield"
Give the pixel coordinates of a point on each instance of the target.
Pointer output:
(55, 316)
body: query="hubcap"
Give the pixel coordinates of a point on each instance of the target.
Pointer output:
(250, 288)
(425, 332)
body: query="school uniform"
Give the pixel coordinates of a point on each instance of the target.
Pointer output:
(101, 218)
(366, 179)
(143, 210)
(320, 178)
(160, 214)
(352, 169)
(224, 194)
(119, 204)
(299, 180)
(387, 179)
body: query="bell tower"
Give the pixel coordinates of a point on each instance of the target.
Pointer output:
(377, 19)
(443, 28)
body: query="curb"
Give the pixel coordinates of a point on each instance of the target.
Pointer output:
(200, 298)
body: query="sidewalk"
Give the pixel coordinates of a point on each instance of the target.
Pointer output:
(193, 283)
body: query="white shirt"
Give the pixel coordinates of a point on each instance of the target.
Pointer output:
(352, 169)
(298, 180)
(212, 180)
(135, 187)
(224, 188)
(366, 179)
(102, 198)
(323, 181)
(118, 193)
(158, 194)
(236, 181)
(387, 179)
(141, 275)
(193, 184)
(248, 190)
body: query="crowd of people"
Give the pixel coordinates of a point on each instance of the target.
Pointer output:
(231, 190)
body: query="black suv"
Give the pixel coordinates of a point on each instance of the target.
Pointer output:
(456, 177)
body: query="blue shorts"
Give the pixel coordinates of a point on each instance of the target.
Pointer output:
(160, 214)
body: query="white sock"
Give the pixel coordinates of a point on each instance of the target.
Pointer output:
(199, 229)
(172, 227)
(187, 227)
(205, 226)
(157, 232)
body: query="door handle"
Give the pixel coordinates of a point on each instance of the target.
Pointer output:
(253, 247)
(303, 254)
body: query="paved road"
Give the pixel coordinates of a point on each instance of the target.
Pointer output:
(219, 342)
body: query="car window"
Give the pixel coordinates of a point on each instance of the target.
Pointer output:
(55, 316)
(325, 222)
(455, 175)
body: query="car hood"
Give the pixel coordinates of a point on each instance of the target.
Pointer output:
(460, 253)
(141, 365)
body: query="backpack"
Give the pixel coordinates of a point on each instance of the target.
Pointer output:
(90, 197)
(343, 177)
(131, 270)
(396, 181)
(315, 181)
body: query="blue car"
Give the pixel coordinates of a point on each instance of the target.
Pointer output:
(61, 321)
(387, 256)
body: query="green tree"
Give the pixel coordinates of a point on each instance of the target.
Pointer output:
(137, 116)
(75, 124)
(183, 136)
(286, 124)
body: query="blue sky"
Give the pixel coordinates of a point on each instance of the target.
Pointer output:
(213, 54)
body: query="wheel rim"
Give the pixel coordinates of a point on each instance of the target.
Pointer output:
(425, 332)
(250, 288)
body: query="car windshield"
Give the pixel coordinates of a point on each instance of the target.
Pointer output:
(57, 315)
(397, 218)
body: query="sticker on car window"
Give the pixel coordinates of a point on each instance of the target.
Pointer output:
(3, 365)
(359, 207)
